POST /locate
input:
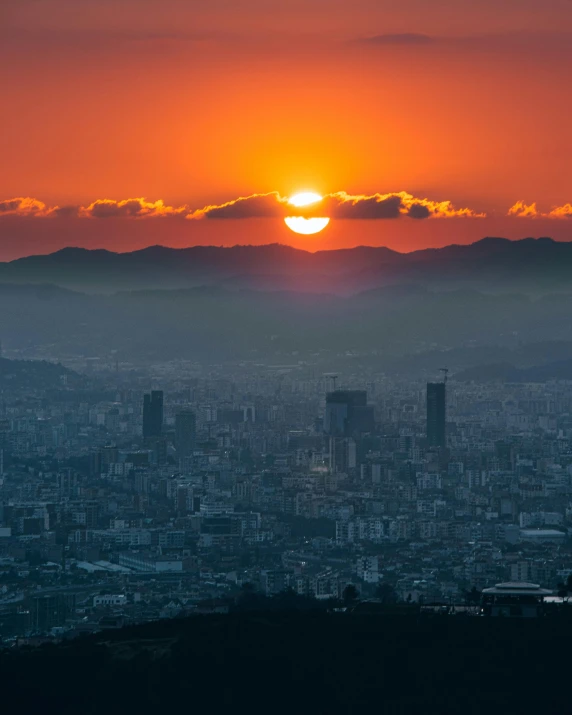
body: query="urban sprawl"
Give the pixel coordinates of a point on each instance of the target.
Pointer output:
(140, 493)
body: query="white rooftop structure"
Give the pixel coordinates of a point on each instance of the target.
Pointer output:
(548, 535)
(517, 588)
(514, 599)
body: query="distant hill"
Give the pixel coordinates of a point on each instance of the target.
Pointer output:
(213, 323)
(530, 266)
(37, 375)
(505, 372)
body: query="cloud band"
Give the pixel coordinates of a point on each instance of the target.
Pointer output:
(523, 210)
(339, 205)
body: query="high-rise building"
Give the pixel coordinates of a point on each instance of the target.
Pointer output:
(159, 450)
(436, 414)
(347, 413)
(185, 433)
(153, 414)
(48, 611)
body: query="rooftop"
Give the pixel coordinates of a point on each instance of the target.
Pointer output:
(518, 587)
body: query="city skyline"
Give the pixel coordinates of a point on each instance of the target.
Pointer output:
(285, 356)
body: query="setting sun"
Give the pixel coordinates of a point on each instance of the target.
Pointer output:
(305, 198)
(300, 224)
(307, 226)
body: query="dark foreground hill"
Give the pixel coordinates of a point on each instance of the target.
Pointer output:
(301, 663)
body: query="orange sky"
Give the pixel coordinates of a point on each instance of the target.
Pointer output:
(197, 103)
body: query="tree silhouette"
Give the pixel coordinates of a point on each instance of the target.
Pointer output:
(472, 597)
(386, 593)
(350, 594)
(564, 588)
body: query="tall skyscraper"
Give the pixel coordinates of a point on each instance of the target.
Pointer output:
(436, 414)
(153, 414)
(347, 413)
(185, 433)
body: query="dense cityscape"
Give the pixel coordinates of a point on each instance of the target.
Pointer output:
(130, 493)
(285, 357)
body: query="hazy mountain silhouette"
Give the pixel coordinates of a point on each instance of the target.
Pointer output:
(37, 374)
(531, 266)
(506, 372)
(213, 323)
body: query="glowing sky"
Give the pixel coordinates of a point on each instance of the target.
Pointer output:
(197, 103)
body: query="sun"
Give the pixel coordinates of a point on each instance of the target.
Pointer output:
(301, 224)
(305, 198)
(307, 226)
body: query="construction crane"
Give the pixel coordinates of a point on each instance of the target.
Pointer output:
(444, 370)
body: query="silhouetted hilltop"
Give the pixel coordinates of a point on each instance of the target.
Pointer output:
(531, 266)
(300, 663)
(37, 374)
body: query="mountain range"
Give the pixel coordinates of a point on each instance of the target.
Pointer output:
(476, 303)
(217, 324)
(530, 266)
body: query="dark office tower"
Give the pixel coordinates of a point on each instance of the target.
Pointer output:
(348, 413)
(185, 433)
(436, 412)
(49, 611)
(153, 414)
(160, 450)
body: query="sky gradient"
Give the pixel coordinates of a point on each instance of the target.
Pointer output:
(198, 103)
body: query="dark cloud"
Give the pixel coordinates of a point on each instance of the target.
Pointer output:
(363, 207)
(338, 205)
(65, 211)
(130, 208)
(419, 211)
(256, 206)
(23, 206)
(114, 209)
(9, 206)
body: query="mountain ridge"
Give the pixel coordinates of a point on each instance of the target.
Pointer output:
(211, 322)
(492, 264)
